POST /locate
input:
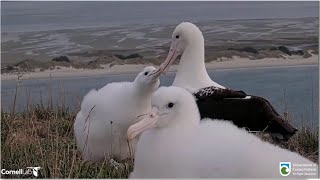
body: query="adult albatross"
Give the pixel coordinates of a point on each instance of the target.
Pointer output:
(253, 112)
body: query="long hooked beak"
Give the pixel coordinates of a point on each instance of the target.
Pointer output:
(172, 55)
(147, 122)
(156, 73)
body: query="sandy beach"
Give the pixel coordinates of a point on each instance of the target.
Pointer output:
(234, 63)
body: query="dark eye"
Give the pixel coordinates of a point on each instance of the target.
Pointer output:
(177, 36)
(170, 105)
(146, 73)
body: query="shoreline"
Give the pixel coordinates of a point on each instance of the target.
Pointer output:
(230, 64)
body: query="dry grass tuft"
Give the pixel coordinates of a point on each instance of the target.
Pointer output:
(44, 137)
(305, 142)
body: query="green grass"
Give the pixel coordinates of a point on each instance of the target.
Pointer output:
(44, 137)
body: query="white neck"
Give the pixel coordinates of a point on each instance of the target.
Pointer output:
(191, 72)
(143, 93)
(183, 125)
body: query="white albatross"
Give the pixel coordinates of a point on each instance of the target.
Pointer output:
(101, 125)
(214, 100)
(187, 41)
(175, 144)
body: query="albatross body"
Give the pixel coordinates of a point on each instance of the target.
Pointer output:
(101, 125)
(253, 112)
(174, 144)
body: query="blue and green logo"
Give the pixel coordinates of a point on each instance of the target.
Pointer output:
(285, 168)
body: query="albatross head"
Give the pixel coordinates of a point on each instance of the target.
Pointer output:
(185, 36)
(172, 107)
(149, 78)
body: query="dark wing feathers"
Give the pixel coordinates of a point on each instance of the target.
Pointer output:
(255, 113)
(218, 93)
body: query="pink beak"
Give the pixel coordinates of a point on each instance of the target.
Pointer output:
(156, 73)
(172, 55)
(146, 123)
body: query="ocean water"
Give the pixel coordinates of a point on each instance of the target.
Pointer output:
(294, 89)
(44, 30)
(36, 16)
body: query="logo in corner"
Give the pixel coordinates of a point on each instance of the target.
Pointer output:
(35, 170)
(285, 168)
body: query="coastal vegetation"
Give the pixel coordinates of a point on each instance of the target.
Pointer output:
(100, 58)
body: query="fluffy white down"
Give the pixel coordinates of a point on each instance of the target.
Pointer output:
(100, 127)
(213, 149)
